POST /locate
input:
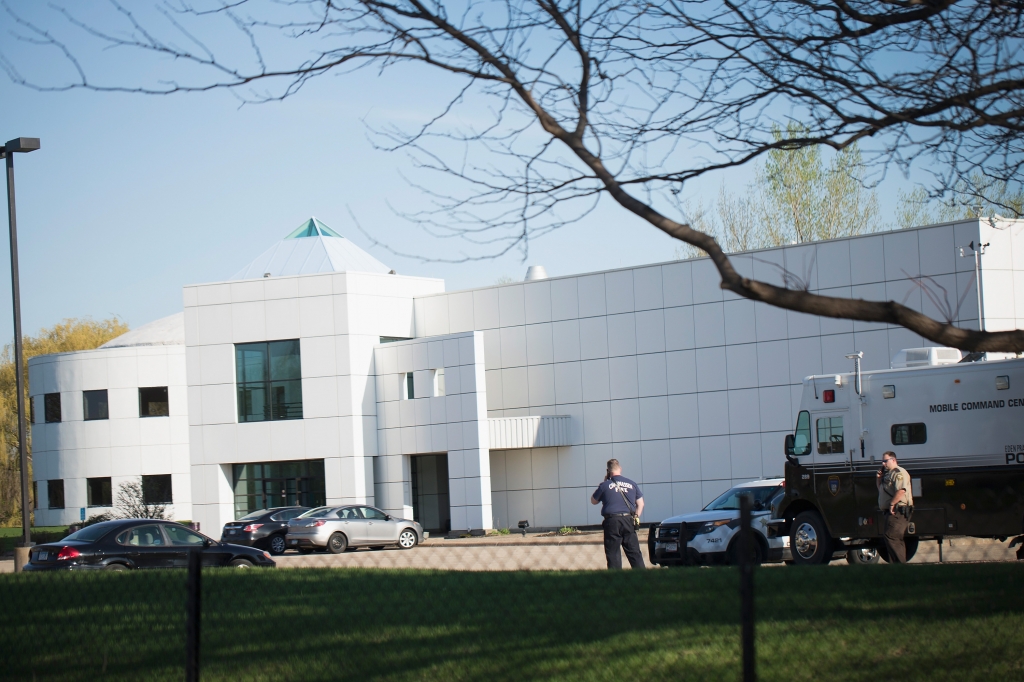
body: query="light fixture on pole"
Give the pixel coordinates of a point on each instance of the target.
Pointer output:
(19, 145)
(978, 251)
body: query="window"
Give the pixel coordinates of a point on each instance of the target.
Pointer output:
(908, 434)
(286, 515)
(439, 382)
(269, 380)
(180, 535)
(142, 536)
(392, 339)
(157, 489)
(51, 407)
(409, 386)
(35, 494)
(94, 404)
(373, 514)
(830, 435)
(802, 440)
(98, 492)
(55, 493)
(153, 402)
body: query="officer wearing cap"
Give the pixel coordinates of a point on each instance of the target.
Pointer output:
(620, 500)
(895, 501)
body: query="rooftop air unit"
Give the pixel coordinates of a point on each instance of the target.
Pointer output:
(925, 357)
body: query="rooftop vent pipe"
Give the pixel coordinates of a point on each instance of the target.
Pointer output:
(535, 272)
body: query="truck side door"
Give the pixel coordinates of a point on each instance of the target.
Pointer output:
(833, 476)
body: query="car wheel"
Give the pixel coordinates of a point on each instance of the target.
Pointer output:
(337, 543)
(756, 554)
(862, 555)
(277, 544)
(241, 563)
(407, 539)
(115, 567)
(809, 540)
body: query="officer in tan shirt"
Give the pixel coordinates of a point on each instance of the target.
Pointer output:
(895, 501)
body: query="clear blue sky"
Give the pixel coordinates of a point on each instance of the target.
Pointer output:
(133, 196)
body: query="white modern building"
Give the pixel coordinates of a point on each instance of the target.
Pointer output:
(318, 375)
(111, 415)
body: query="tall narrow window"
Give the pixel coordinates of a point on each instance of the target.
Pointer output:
(269, 381)
(157, 489)
(830, 435)
(94, 405)
(153, 402)
(55, 493)
(35, 494)
(98, 492)
(439, 382)
(51, 407)
(410, 391)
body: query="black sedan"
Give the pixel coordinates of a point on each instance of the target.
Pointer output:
(264, 529)
(139, 543)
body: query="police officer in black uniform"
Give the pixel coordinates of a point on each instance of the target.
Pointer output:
(620, 499)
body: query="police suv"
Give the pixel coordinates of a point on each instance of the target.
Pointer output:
(711, 536)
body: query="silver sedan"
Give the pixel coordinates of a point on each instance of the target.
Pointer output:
(338, 528)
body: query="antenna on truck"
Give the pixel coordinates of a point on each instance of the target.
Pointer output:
(856, 357)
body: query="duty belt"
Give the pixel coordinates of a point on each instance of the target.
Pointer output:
(611, 515)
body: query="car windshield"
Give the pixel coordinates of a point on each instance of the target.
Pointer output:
(318, 513)
(730, 499)
(254, 515)
(91, 533)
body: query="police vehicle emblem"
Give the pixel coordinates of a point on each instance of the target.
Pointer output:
(833, 485)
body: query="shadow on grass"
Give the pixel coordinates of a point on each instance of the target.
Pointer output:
(918, 622)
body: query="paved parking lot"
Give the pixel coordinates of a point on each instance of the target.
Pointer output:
(554, 553)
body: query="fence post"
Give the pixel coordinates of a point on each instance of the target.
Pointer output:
(747, 541)
(192, 617)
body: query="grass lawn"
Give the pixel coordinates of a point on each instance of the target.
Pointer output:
(953, 622)
(10, 537)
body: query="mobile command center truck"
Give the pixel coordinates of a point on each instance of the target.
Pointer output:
(958, 430)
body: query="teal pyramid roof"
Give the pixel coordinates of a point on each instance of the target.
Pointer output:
(311, 248)
(313, 228)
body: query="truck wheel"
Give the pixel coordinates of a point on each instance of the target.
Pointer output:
(756, 554)
(862, 555)
(911, 545)
(809, 541)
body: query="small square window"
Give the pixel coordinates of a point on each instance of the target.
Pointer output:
(408, 387)
(153, 402)
(94, 405)
(51, 407)
(55, 493)
(439, 382)
(1002, 382)
(157, 489)
(889, 391)
(98, 492)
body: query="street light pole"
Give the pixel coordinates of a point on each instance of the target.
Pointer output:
(19, 144)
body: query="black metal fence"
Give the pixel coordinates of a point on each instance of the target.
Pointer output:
(372, 621)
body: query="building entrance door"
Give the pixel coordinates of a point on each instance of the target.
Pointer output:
(262, 485)
(430, 501)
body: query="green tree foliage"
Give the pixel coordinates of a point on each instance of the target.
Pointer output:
(65, 336)
(977, 196)
(795, 197)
